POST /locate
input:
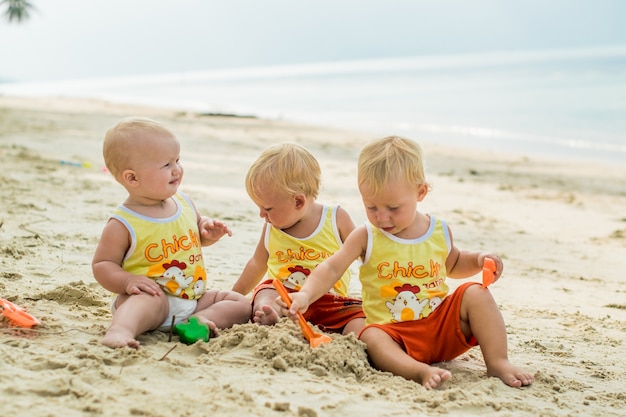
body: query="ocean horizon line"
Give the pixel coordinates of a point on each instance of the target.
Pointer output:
(474, 60)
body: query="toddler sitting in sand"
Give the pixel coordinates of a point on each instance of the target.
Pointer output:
(412, 320)
(150, 251)
(298, 234)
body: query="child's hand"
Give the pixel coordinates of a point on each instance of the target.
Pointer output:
(496, 259)
(138, 284)
(299, 303)
(212, 230)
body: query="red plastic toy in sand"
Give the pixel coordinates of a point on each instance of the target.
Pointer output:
(17, 315)
(489, 269)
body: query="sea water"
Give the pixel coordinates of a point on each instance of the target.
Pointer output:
(566, 103)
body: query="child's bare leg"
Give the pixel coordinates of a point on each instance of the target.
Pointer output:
(481, 317)
(134, 315)
(265, 311)
(222, 309)
(354, 326)
(387, 355)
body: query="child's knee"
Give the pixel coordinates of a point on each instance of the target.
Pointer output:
(476, 293)
(371, 335)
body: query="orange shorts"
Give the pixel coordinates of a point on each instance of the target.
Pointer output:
(330, 313)
(436, 338)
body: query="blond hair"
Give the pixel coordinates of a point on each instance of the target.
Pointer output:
(121, 141)
(390, 158)
(288, 167)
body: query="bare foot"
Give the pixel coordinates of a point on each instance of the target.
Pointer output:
(510, 375)
(266, 316)
(212, 327)
(433, 377)
(117, 338)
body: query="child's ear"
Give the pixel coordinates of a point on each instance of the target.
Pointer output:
(422, 191)
(299, 200)
(130, 178)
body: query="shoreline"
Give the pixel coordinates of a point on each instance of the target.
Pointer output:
(425, 139)
(559, 226)
(516, 125)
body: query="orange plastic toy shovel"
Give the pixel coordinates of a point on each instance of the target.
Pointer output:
(315, 339)
(489, 269)
(16, 314)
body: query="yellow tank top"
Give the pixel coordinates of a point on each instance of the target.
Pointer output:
(167, 250)
(404, 279)
(292, 259)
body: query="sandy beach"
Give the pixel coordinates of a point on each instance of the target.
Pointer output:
(559, 226)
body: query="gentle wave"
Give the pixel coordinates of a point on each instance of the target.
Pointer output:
(335, 68)
(503, 135)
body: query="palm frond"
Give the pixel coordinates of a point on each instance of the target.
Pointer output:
(17, 10)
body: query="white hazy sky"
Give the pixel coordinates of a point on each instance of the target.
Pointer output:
(68, 39)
